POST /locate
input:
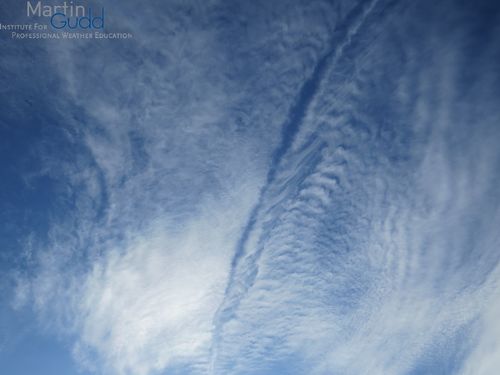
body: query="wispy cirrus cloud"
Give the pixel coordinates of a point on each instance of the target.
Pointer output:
(266, 187)
(171, 160)
(361, 262)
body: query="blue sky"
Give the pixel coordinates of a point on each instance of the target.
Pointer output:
(253, 188)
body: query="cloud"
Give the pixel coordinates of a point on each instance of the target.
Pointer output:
(484, 357)
(259, 185)
(149, 305)
(373, 240)
(166, 156)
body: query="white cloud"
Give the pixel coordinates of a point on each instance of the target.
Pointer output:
(484, 358)
(370, 243)
(150, 305)
(361, 261)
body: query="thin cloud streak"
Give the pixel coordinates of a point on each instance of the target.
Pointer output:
(291, 127)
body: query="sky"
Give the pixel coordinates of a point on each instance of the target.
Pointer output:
(253, 188)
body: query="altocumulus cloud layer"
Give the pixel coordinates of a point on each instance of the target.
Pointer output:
(259, 187)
